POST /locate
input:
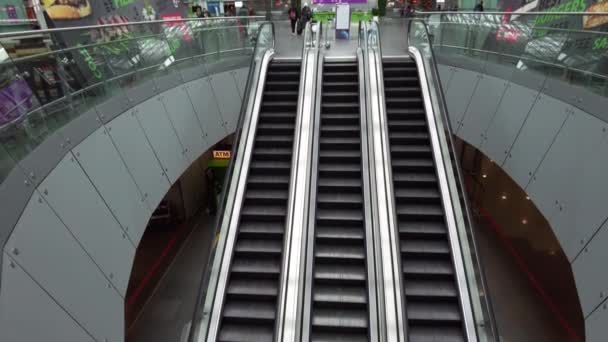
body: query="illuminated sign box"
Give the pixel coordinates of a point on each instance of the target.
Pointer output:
(221, 154)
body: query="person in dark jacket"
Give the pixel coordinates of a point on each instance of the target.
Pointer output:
(304, 18)
(479, 6)
(293, 18)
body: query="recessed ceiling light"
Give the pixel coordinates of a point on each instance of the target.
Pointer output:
(528, 198)
(524, 221)
(484, 176)
(504, 197)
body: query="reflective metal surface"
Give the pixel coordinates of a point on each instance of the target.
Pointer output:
(442, 170)
(385, 225)
(231, 217)
(289, 323)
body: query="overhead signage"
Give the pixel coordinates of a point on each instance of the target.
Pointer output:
(220, 154)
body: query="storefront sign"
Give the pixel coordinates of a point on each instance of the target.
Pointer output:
(221, 154)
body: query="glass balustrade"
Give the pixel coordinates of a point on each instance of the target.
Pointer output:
(49, 78)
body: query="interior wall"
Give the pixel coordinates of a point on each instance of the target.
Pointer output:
(67, 263)
(556, 152)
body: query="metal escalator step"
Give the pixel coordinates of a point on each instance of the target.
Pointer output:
(422, 228)
(339, 235)
(340, 318)
(340, 184)
(249, 311)
(280, 93)
(270, 196)
(340, 131)
(244, 288)
(421, 195)
(339, 107)
(340, 200)
(438, 289)
(253, 247)
(339, 273)
(397, 113)
(406, 102)
(343, 156)
(434, 312)
(420, 209)
(338, 336)
(411, 150)
(417, 178)
(268, 182)
(340, 118)
(278, 105)
(339, 170)
(411, 164)
(270, 166)
(262, 230)
(277, 117)
(340, 295)
(258, 268)
(345, 253)
(407, 125)
(425, 247)
(282, 75)
(427, 268)
(274, 140)
(339, 216)
(436, 333)
(275, 128)
(408, 137)
(345, 143)
(272, 153)
(231, 332)
(340, 86)
(265, 212)
(272, 85)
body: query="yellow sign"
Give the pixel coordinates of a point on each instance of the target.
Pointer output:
(221, 154)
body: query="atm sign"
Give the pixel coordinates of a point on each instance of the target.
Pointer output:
(221, 154)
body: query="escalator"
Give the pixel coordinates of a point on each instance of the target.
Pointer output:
(250, 306)
(432, 303)
(339, 308)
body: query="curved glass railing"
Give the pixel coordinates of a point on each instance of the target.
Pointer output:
(481, 304)
(564, 46)
(48, 78)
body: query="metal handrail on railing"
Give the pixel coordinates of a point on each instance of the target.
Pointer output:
(228, 180)
(457, 168)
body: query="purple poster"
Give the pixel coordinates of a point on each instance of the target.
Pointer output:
(326, 2)
(16, 99)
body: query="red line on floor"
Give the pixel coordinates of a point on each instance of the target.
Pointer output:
(522, 265)
(154, 268)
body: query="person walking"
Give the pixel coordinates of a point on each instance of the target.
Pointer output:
(479, 6)
(293, 18)
(304, 18)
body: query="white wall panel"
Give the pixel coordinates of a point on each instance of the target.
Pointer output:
(445, 75)
(513, 110)
(27, 313)
(481, 110)
(539, 130)
(459, 94)
(73, 197)
(582, 196)
(207, 110)
(228, 97)
(595, 325)
(132, 144)
(102, 163)
(162, 137)
(240, 76)
(43, 246)
(590, 272)
(179, 108)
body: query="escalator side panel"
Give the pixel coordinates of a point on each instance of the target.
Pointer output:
(432, 303)
(253, 285)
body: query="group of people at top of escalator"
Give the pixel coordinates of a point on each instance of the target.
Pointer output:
(298, 18)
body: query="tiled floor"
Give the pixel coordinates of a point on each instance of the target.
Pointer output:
(171, 306)
(520, 313)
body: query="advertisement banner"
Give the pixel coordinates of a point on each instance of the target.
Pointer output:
(16, 99)
(330, 2)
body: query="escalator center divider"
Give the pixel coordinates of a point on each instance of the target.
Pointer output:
(432, 299)
(337, 277)
(253, 285)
